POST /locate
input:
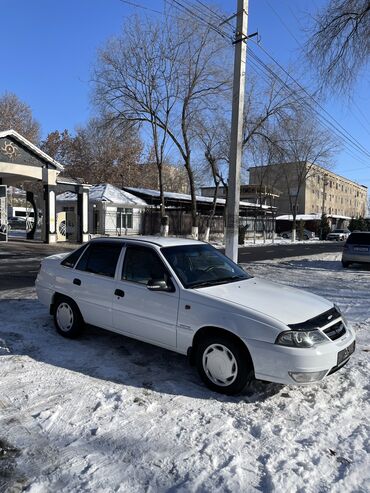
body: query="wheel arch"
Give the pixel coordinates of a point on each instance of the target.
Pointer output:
(57, 295)
(214, 330)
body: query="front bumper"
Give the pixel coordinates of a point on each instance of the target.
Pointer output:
(275, 363)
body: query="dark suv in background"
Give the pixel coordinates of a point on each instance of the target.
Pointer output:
(357, 249)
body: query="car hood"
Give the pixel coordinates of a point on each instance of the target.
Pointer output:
(283, 303)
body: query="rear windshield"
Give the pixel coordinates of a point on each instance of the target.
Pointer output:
(359, 239)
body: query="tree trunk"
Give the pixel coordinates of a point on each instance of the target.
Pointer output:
(294, 229)
(194, 216)
(213, 211)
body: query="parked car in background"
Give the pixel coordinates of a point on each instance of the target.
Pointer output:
(186, 296)
(356, 249)
(16, 222)
(338, 234)
(307, 235)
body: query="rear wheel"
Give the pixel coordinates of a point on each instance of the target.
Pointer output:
(223, 364)
(67, 318)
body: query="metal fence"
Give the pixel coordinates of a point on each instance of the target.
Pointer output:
(148, 222)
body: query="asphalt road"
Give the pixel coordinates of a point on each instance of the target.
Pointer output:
(20, 260)
(268, 252)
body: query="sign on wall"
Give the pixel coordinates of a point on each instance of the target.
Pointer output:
(62, 226)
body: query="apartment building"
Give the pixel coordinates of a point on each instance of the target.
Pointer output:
(322, 191)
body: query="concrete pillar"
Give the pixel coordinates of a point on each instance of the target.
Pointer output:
(31, 199)
(49, 229)
(82, 214)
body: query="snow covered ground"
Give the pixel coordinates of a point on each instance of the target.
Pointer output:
(105, 413)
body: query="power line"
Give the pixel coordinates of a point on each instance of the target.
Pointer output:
(283, 23)
(139, 6)
(342, 131)
(359, 145)
(356, 146)
(323, 120)
(346, 134)
(183, 8)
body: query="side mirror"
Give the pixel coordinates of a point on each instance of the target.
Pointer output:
(159, 285)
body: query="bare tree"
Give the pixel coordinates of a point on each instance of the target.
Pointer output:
(339, 46)
(99, 153)
(17, 115)
(211, 137)
(162, 74)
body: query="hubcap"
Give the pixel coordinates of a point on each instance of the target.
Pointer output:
(64, 317)
(220, 365)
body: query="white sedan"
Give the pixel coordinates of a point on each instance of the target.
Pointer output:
(186, 296)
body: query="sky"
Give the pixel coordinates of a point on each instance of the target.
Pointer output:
(51, 47)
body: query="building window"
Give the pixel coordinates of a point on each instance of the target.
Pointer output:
(124, 218)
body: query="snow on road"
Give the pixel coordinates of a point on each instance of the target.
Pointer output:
(106, 413)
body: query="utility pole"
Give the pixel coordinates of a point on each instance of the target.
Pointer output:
(232, 213)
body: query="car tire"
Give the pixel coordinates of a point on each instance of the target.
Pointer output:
(223, 364)
(284, 236)
(345, 264)
(67, 317)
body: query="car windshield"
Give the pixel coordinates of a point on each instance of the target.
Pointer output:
(338, 231)
(202, 265)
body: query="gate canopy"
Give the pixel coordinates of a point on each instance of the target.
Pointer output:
(22, 161)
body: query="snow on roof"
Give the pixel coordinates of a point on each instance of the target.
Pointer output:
(186, 197)
(300, 217)
(105, 192)
(31, 147)
(309, 217)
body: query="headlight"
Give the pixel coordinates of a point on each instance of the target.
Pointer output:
(341, 314)
(300, 338)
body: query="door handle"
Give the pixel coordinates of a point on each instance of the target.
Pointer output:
(119, 293)
(77, 281)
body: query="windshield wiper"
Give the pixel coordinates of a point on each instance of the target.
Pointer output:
(216, 282)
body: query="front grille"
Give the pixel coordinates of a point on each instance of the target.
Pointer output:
(317, 322)
(335, 331)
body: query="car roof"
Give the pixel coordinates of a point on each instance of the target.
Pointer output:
(153, 240)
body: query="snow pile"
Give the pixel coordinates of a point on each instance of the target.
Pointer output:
(106, 413)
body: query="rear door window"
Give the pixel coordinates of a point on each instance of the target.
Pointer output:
(359, 239)
(71, 260)
(101, 259)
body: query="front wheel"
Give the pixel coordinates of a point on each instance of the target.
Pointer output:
(224, 365)
(67, 318)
